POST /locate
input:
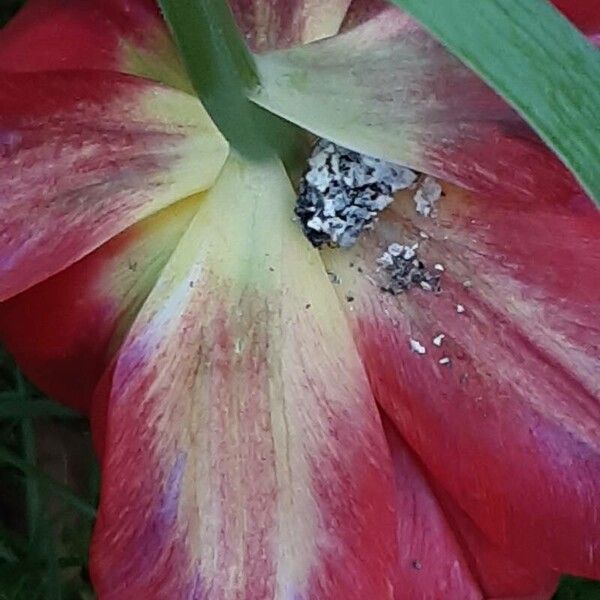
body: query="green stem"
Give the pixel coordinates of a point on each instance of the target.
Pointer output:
(220, 66)
(222, 72)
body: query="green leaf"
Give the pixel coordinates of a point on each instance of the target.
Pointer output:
(51, 567)
(532, 56)
(13, 541)
(32, 491)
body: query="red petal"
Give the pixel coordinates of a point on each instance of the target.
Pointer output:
(585, 14)
(441, 553)
(64, 330)
(270, 24)
(87, 154)
(500, 576)
(238, 461)
(128, 36)
(511, 428)
(431, 563)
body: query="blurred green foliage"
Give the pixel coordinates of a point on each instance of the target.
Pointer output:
(49, 483)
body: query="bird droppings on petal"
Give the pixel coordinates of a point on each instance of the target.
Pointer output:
(427, 195)
(404, 270)
(417, 347)
(438, 339)
(342, 192)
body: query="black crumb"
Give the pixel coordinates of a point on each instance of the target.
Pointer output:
(404, 270)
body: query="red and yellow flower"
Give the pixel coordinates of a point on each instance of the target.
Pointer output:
(260, 435)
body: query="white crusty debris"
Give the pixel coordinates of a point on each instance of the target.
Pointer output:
(427, 195)
(342, 192)
(404, 270)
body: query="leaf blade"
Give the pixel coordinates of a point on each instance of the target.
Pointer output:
(537, 61)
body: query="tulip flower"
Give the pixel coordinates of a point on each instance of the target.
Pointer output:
(271, 420)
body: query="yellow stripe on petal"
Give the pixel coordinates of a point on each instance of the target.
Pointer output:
(244, 453)
(64, 331)
(86, 155)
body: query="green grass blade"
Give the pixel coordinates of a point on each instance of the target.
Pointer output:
(52, 567)
(537, 61)
(32, 491)
(14, 542)
(59, 489)
(16, 407)
(7, 554)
